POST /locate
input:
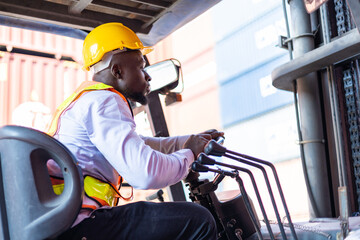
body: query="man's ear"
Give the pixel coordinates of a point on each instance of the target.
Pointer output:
(116, 71)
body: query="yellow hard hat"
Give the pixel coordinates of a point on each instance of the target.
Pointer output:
(108, 37)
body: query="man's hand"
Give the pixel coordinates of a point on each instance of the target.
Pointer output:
(196, 143)
(214, 133)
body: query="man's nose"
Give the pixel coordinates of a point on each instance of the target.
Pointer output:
(147, 77)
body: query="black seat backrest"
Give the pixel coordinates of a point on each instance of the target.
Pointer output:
(29, 208)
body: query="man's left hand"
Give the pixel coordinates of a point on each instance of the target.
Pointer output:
(214, 133)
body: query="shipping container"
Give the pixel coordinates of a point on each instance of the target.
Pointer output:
(17, 39)
(32, 87)
(37, 72)
(193, 39)
(248, 12)
(272, 136)
(199, 109)
(251, 94)
(251, 46)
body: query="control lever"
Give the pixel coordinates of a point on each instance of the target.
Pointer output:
(231, 216)
(211, 186)
(235, 175)
(214, 148)
(203, 159)
(198, 167)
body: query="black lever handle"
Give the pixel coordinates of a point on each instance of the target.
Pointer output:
(214, 148)
(197, 167)
(203, 159)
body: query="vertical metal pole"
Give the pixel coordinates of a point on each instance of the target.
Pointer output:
(344, 212)
(310, 114)
(159, 127)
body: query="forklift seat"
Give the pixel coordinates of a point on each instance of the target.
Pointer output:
(29, 208)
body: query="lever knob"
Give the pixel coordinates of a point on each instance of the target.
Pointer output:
(215, 149)
(205, 160)
(199, 167)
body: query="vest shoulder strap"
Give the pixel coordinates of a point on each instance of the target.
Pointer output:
(85, 86)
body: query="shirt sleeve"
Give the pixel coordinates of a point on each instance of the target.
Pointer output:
(111, 129)
(166, 144)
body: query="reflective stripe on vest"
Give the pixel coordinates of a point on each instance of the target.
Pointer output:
(104, 193)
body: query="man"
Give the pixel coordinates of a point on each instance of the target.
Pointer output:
(97, 126)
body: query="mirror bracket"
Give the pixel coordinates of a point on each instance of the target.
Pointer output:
(172, 97)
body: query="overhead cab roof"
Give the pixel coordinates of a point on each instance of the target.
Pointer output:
(152, 20)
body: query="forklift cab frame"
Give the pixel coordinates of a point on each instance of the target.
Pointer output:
(24, 152)
(317, 75)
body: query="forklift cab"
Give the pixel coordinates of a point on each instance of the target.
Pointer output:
(323, 75)
(29, 208)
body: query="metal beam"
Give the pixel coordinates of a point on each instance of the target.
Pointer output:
(160, 14)
(58, 14)
(338, 50)
(42, 27)
(123, 9)
(78, 7)
(154, 3)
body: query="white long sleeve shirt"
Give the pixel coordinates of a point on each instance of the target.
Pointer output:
(100, 131)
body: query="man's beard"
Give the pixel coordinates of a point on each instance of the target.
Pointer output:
(137, 97)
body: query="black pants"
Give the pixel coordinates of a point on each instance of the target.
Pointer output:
(147, 220)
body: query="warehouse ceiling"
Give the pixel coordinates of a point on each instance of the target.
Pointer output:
(153, 20)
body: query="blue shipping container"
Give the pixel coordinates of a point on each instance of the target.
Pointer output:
(252, 94)
(250, 47)
(245, 12)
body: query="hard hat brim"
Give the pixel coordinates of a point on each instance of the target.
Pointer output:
(147, 50)
(144, 51)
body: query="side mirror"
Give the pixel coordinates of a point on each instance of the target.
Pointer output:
(164, 75)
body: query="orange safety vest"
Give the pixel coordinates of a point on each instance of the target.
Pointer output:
(84, 87)
(104, 193)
